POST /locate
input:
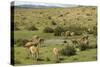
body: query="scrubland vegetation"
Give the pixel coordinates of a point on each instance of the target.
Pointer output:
(49, 23)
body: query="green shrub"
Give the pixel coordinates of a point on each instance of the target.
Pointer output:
(57, 61)
(15, 26)
(94, 33)
(58, 30)
(93, 46)
(90, 32)
(53, 23)
(94, 30)
(90, 19)
(64, 41)
(75, 28)
(31, 28)
(94, 8)
(78, 33)
(61, 15)
(47, 59)
(88, 14)
(17, 62)
(78, 19)
(41, 12)
(83, 46)
(24, 18)
(68, 50)
(75, 59)
(20, 42)
(49, 17)
(48, 30)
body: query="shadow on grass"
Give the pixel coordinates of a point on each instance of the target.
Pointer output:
(40, 59)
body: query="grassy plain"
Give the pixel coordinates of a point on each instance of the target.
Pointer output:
(80, 17)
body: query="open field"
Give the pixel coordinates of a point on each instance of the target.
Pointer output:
(21, 56)
(49, 23)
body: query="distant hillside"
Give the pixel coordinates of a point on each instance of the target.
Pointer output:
(73, 16)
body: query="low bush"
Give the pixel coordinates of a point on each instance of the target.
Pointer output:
(90, 32)
(64, 41)
(17, 62)
(48, 30)
(16, 28)
(69, 50)
(94, 30)
(61, 15)
(88, 14)
(24, 18)
(47, 59)
(75, 59)
(77, 29)
(20, 42)
(90, 19)
(93, 46)
(53, 23)
(58, 30)
(49, 17)
(31, 28)
(94, 8)
(83, 46)
(15, 25)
